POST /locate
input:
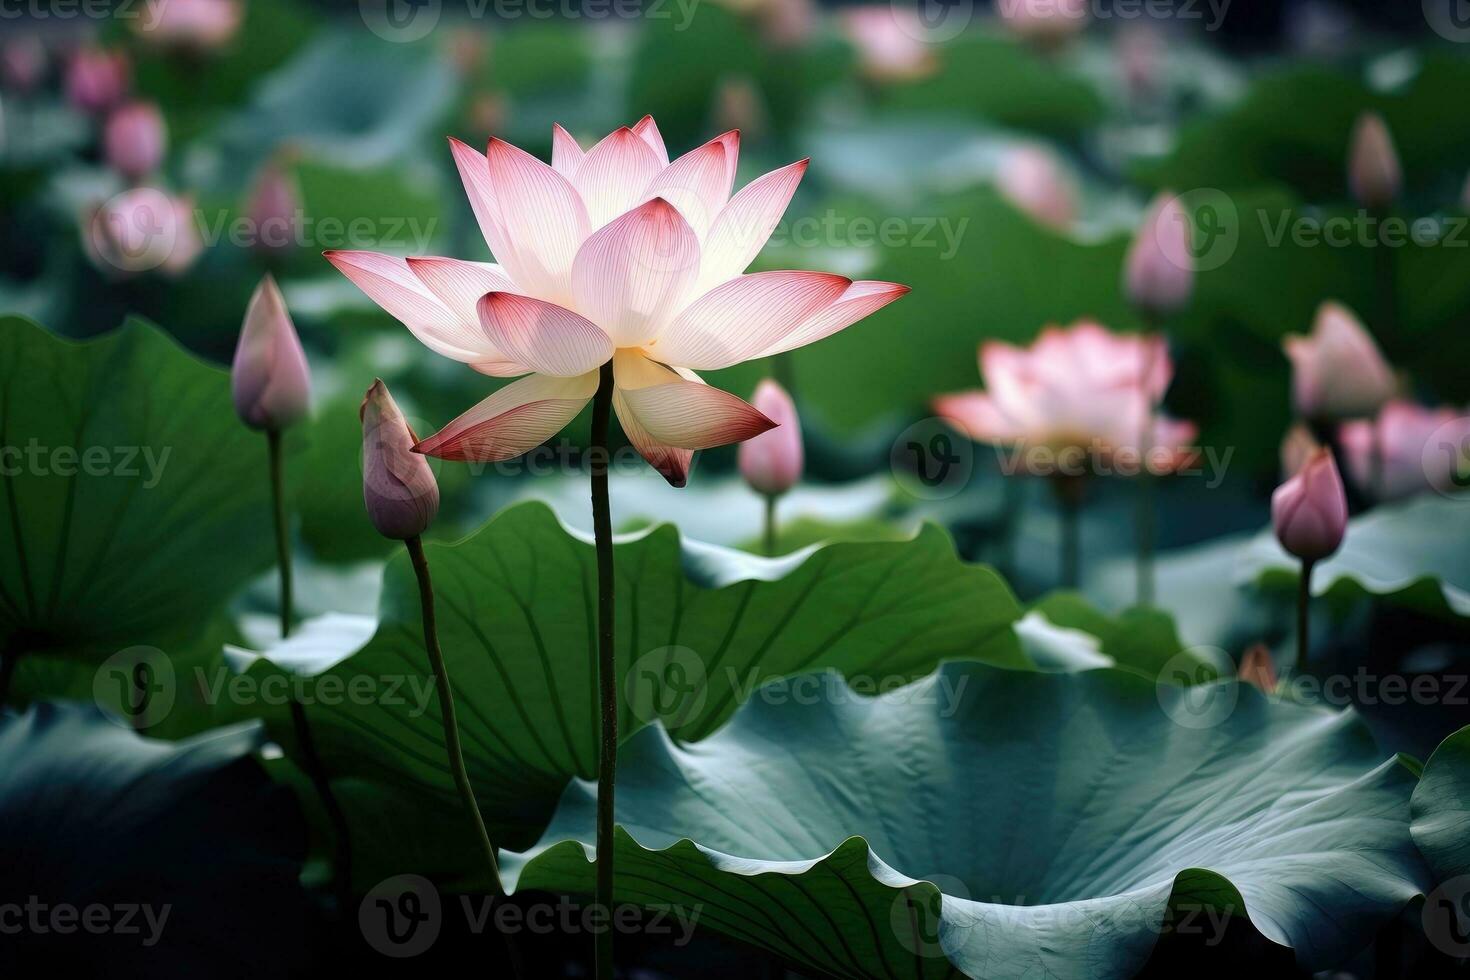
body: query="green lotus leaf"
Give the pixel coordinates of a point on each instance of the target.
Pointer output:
(1006, 824)
(699, 627)
(1441, 807)
(134, 502)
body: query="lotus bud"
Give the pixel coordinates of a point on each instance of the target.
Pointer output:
(97, 80)
(190, 25)
(772, 461)
(134, 139)
(739, 105)
(270, 379)
(1373, 163)
(141, 230)
(1298, 447)
(1258, 669)
(1032, 180)
(890, 43)
(398, 487)
(1309, 511)
(1158, 275)
(1405, 450)
(22, 63)
(274, 208)
(1337, 372)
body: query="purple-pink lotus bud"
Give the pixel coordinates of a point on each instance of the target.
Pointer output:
(398, 487)
(97, 80)
(1406, 449)
(1158, 275)
(1337, 372)
(274, 208)
(1309, 511)
(1031, 179)
(141, 230)
(270, 380)
(135, 139)
(22, 63)
(772, 461)
(1373, 163)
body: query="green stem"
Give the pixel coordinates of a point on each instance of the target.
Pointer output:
(1386, 329)
(769, 535)
(1144, 516)
(783, 372)
(452, 744)
(607, 682)
(1303, 601)
(283, 542)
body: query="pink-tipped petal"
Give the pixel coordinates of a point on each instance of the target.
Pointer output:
(698, 183)
(566, 152)
(691, 415)
(459, 285)
(474, 172)
(647, 130)
(543, 217)
(517, 418)
(552, 340)
(976, 415)
(631, 275)
(859, 300)
(744, 225)
(746, 317)
(612, 175)
(671, 462)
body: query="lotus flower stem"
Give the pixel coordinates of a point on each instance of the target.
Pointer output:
(1144, 517)
(446, 709)
(769, 536)
(1303, 601)
(283, 544)
(782, 372)
(607, 681)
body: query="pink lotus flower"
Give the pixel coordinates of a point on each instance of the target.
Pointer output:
(1309, 511)
(269, 378)
(890, 43)
(1373, 163)
(274, 208)
(97, 80)
(1033, 181)
(1158, 275)
(1077, 389)
(134, 139)
(612, 254)
(191, 25)
(1338, 371)
(398, 488)
(142, 230)
(772, 461)
(1391, 457)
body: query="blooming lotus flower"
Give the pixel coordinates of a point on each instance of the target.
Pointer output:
(1045, 23)
(1309, 511)
(612, 254)
(97, 80)
(772, 461)
(1390, 456)
(134, 139)
(398, 488)
(1338, 371)
(190, 25)
(269, 379)
(141, 230)
(890, 43)
(1080, 388)
(1031, 179)
(1158, 275)
(1373, 163)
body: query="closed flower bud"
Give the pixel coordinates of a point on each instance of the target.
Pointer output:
(1257, 668)
(1373, 164)
(196, 26)
(1158, 275)
(97, 80)
(1031, 179)
(270, 380)
(772, 461)
(398, 487)
(1309, 511)
(274, 209)
(1338, 371)
(135, 139)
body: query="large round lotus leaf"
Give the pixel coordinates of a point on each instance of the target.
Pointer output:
(1006, 824)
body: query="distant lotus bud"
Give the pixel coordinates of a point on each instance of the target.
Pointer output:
(1140, 54)
(1158, 274)
(739, 105)
(1373, 164)
(1309, 511)
(142, 230)
(1337, 372)
(1258, 669)
(135, 139)
(97, 80)
(786, 23)
(890, 43)
(190, 25)
(270, 380)
(1298, 447)
(274, 208)
(1045, 23)
(1031, 179)
(22, 63)
(468, 49)
(772, 461)
(398, 487)
(1391, 457)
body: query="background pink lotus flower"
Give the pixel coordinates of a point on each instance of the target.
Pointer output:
(1158, 275)
(97, 79)
(142, 230)
(772, 461)
(274, 208)
(135, 139)
(1309, 511)
(1076, 388)
(890, 43)
(1390, 456)
(612, 254)
(1031, 178)
(1337, 372)
(1373, 164)
(269, 378)
(192, 25)
(1043, 22)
